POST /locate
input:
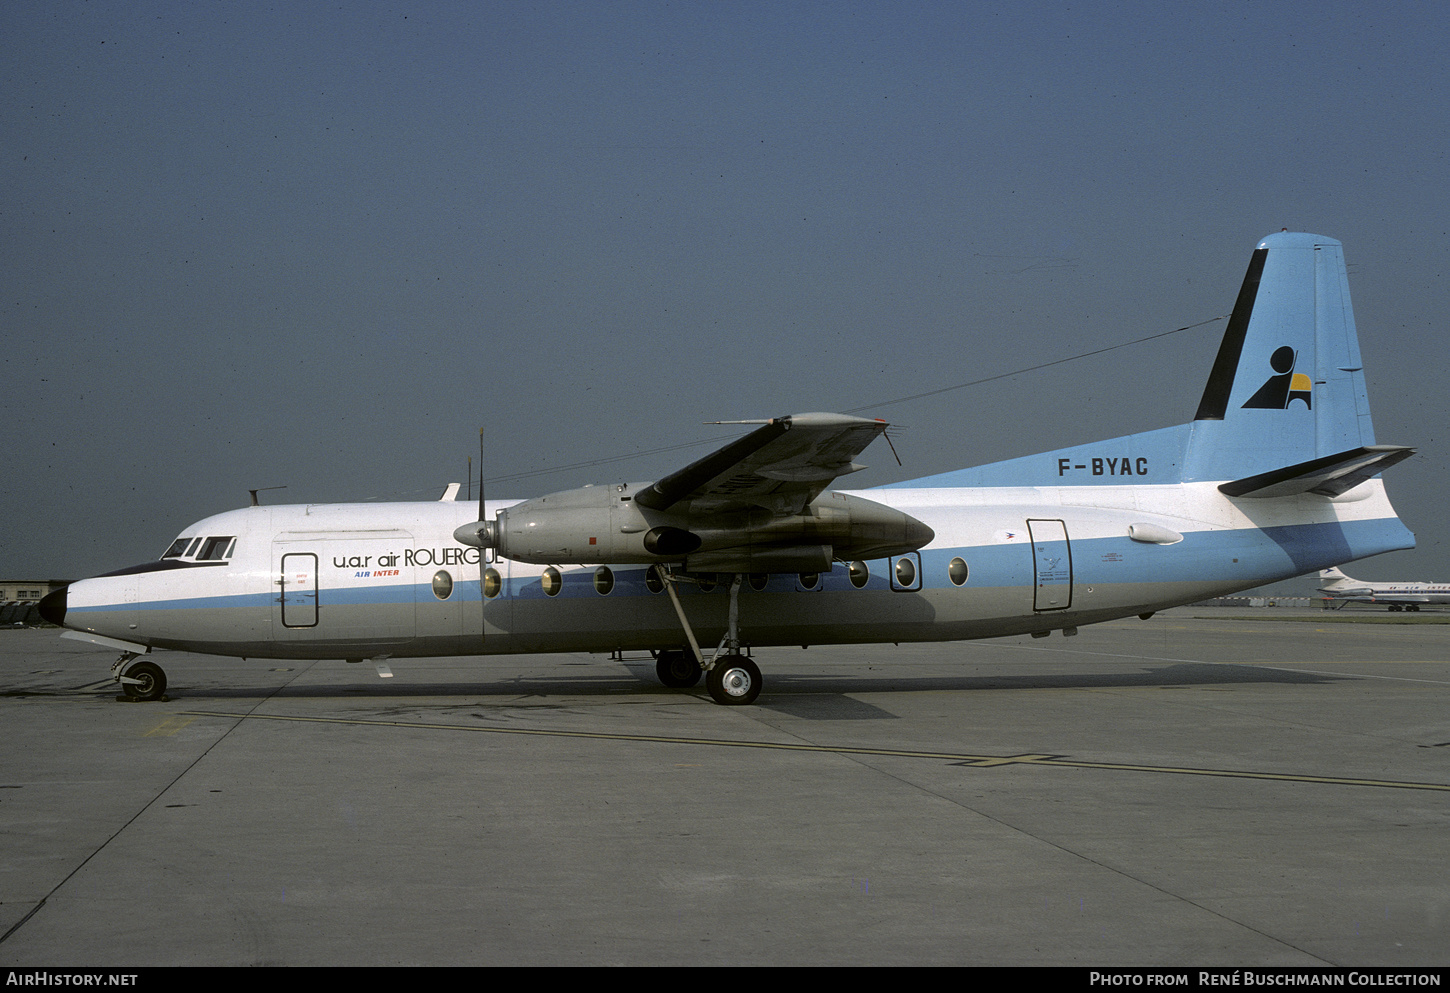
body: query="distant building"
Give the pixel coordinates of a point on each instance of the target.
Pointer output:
(28, 589)
(1258, 601)
(18, 599)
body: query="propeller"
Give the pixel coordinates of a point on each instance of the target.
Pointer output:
(481, 533)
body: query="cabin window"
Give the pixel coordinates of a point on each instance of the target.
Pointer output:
(957, 571)
(603, 580)
(905, 571)
(442, 585)
(552, 581)
(653, 581)
(492, 583)
(758, 580)
(859, 575)
(707, 582)
(810, 580)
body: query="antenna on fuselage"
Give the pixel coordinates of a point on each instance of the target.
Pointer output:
(261, 489)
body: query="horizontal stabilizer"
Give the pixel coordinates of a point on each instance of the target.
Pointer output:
(1329, 476)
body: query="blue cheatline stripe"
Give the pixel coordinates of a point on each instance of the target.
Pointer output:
(1288, 551)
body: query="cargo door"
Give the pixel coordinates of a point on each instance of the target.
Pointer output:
(1051, 565)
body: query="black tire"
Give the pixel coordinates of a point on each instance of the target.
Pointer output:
(152, 685)
(734, 682)
(677, 670)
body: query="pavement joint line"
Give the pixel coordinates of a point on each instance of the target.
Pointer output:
(956, 758)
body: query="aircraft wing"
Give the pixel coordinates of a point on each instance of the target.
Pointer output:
(781, 466)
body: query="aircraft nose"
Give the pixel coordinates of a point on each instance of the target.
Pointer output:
(52, 606)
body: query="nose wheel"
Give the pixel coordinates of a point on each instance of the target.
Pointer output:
(140, 681)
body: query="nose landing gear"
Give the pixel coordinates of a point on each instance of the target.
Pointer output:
(140, 681)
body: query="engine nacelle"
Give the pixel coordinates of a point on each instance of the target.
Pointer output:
(598, 525)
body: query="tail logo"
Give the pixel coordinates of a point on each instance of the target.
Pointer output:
(1285, 386)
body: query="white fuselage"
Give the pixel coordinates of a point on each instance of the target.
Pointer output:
(371, 580)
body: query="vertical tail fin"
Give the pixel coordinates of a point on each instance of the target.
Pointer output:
(1287, 386)
(1285, 410)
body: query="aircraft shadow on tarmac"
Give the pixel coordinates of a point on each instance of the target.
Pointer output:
(803, 695)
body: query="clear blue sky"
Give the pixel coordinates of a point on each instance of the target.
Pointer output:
(320, 245)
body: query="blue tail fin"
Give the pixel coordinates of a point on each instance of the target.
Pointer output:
(1285, 409)
(1287, 386)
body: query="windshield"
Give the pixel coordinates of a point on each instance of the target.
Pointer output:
(213, 549)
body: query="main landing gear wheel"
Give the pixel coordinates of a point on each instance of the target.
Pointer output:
(151, 683)
(734, 681)
(677, 670)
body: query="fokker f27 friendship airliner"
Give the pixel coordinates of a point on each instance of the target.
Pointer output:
(1275, 477)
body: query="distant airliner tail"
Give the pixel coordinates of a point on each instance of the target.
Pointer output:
(1334, 579)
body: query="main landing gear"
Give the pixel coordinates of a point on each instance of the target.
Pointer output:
(677, 669)
(732, 678)
(140, 681)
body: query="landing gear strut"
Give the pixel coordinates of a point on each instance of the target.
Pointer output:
(732, 678)
(140, 681)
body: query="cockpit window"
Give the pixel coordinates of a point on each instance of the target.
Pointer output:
(214, 550)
